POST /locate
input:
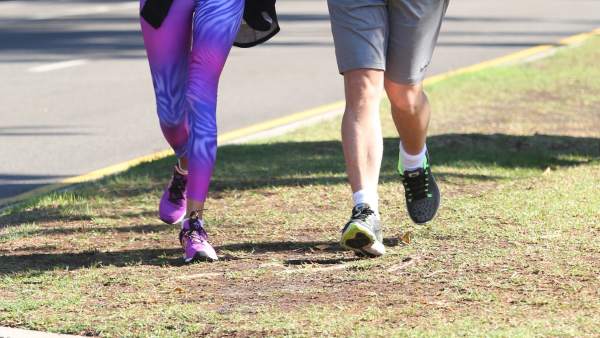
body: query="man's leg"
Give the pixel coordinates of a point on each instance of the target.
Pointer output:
(414, 29)
(359, 30)
(363, 149)
(361, 133)
(411, 114)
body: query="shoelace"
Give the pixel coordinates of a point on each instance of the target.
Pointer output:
(197, 236)
(362, 214)
(196, 232)
(416, 187)
(177, 188)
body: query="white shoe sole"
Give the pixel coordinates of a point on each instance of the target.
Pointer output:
(362, 240)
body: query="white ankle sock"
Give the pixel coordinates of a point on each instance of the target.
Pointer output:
(368, 196)
(412, 162)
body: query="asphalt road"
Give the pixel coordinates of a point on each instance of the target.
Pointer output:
(76, 94)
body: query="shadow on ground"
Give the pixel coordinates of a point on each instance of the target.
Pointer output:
(162, 256)
(170, 256)
(255, 166)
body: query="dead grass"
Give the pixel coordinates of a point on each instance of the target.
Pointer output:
(514, 251)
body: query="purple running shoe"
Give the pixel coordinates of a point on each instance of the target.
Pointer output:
(194, 240)
(173, 202)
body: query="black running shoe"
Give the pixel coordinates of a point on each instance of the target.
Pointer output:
(363, 232)
(421, 192)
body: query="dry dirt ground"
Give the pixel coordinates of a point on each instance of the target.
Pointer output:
(513, 252)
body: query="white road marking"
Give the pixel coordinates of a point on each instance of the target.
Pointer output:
(88, 10)
(57, 65)
(73, 12)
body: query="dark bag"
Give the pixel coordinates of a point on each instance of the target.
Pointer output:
(259, 24)
(155, 11)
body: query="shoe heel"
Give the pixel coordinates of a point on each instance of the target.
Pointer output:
(357, 237)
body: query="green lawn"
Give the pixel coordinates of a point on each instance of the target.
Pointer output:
(513, 252)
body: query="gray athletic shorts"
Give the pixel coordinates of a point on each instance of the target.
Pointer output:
(397, 36)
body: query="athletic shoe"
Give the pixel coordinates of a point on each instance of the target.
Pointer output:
(173, 202)
(194, 240)
(421, 192)
(363, 232)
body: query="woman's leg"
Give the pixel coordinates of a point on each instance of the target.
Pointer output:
(215, 25)
(168, 49)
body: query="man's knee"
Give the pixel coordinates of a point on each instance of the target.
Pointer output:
(405, 99)
(363, 86)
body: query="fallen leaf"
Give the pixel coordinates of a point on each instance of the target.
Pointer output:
(405, 238)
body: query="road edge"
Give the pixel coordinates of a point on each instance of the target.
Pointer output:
(286, 123)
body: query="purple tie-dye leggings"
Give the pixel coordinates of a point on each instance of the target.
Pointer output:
(187, 54)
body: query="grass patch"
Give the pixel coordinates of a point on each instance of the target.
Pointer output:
(514, 251)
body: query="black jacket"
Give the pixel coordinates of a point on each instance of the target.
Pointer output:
(259, 24)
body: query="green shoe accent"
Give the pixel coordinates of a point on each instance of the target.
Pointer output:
(362, 233)
(357, 236)
(426, 161)
(421, 193)
(400, 165)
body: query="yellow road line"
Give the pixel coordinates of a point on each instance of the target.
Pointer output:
(578, 38)
(281, 121)
(513, 57)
